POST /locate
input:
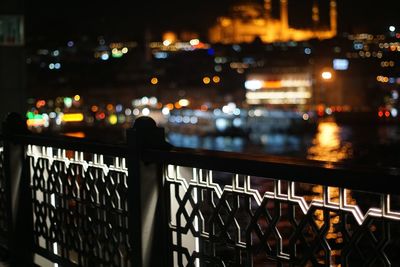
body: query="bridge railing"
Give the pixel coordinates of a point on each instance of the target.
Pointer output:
(3, 202)
(227, 209)
(74, 202)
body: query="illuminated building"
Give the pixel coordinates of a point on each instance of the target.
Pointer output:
(279, 88)
(249, 20)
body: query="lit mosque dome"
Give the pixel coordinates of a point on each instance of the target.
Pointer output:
(249, 20)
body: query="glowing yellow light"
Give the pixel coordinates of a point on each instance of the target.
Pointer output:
(170, 37)
(77, 98)
(225, 22)
(216, 79)
(124, 50)
(206, 80)
(170, 106)
(114, 51)
(184, 102)
(328, 134)
(72, 117)
(35, 122)
(327, 145)
(154, 80)
(326, 75)
(113, 119)
(259, 22)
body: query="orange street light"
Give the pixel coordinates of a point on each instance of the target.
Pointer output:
(326, 75)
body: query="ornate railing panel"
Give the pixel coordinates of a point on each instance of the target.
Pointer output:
(225, 219)
(3, 197)
(79, 207)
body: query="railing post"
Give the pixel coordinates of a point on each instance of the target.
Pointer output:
(145, 196)
(18, 194)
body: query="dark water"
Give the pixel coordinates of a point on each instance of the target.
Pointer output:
(377, 145)
(363, 144)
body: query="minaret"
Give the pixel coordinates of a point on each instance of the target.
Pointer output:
(284, 19)
(315, 14)
(333, 17)
(268, 9)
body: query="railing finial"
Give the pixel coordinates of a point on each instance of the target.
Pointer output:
(144, 122)
(148, 134)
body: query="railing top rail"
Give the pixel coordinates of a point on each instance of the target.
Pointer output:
(70, 143)
(361, 178)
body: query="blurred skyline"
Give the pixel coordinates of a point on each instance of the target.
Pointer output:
(122, 19)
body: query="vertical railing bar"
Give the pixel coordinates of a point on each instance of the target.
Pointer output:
(145, 197)
(19, 202)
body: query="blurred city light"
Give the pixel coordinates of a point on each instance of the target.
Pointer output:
(146, 112)
(206, 80)
(216, 79)
(166, 42)
(326, 75)
(113, 119)
(184, 102)
(105, 56)
(68, 102)
(154, 81)
(72, 117)
(194, 42)
(340, 64)
(253, 84)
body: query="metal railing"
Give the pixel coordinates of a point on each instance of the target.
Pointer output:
(80, 206)
(3, 203)
(229, 209)
(73, 202)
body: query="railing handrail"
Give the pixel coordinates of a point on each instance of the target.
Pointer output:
(70, 143)
(350, 176)
(360, 178)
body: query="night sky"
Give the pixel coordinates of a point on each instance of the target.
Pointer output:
(128, 19)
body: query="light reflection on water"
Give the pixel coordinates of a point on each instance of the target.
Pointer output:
(235, 144)
(328, 145)
(325, 145)
(76, 134)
